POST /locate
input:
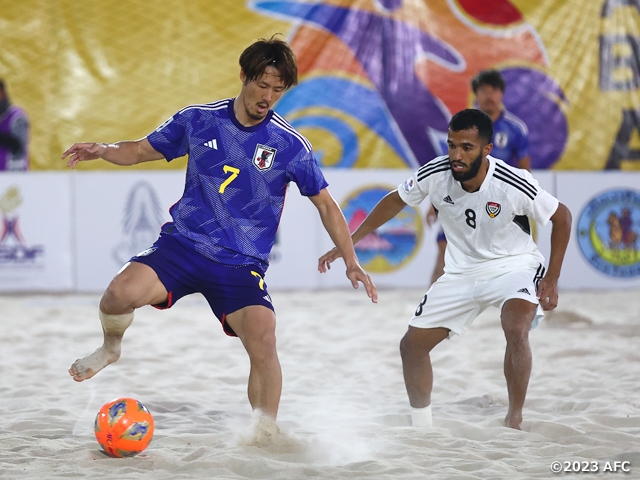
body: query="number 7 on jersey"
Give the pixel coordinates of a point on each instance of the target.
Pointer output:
(234, 173)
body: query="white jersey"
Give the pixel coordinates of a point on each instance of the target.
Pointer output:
(487, 229)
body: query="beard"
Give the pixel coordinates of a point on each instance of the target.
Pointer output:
(474, 168)
(255, 115)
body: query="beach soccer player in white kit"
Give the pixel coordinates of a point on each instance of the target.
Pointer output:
(484, 206)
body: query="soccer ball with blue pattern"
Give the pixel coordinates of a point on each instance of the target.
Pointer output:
(124, 427)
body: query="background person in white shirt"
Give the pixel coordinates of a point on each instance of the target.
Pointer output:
(484, 205)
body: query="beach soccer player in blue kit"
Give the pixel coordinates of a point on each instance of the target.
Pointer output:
(242, 156)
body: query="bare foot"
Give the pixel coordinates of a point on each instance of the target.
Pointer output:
(266, 434)
(513, 421)
(88, 366)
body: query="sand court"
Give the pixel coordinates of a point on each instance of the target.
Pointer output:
(344, 411)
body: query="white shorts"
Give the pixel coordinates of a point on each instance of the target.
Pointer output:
(455, 300)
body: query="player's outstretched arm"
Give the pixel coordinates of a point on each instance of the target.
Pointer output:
(560, 232)
(385, 210)
(337, 228)
(121, 153)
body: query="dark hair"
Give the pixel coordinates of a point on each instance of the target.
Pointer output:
(488, 77)
(473, 118)
(2, 87)
(273, 52)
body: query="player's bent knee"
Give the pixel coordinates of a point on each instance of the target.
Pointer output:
(404, 345)
(409, 346)
(517, 330)
(421, 340)
(134, 286)
(516, 318)
(259, 336)
(261, 348)
(121, 297)
(116, 300)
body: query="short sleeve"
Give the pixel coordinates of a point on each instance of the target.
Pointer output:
(413, 192)
(305, 172)
(544, 206)
(170, 138)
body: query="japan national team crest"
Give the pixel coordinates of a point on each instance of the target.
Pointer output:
(501, 139)
(493, 209)
(263, 157)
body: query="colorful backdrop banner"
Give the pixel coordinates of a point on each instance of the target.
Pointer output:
(379, 79)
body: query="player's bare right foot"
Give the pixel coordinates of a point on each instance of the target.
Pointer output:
(87, 367)
(513, 420)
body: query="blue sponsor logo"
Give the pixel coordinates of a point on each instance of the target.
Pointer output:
(608, 229)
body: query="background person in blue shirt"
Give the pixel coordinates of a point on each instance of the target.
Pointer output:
(242, 156)
(510, 140)
(510, 134)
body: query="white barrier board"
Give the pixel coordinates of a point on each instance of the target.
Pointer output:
(36, 251)
(604, 248)
(119, 214)
(400, 254)
(72, 231)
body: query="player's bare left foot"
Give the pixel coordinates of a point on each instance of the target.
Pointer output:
(86, 367)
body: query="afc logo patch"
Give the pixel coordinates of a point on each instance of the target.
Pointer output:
(263, 157)
(407, 186)
(493, 209)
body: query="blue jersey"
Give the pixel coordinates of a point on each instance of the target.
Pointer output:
(510, 139)
(236, 180)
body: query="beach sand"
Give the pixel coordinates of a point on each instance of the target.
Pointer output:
(344, 411)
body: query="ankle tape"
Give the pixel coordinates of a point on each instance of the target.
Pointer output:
(116, 324)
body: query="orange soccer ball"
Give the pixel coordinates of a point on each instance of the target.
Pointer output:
(124, 427)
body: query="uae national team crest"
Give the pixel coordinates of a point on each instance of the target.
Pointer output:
(493, 209)
(263, 157)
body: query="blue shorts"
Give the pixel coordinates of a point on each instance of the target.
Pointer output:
(183, 271)
(441, 237)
